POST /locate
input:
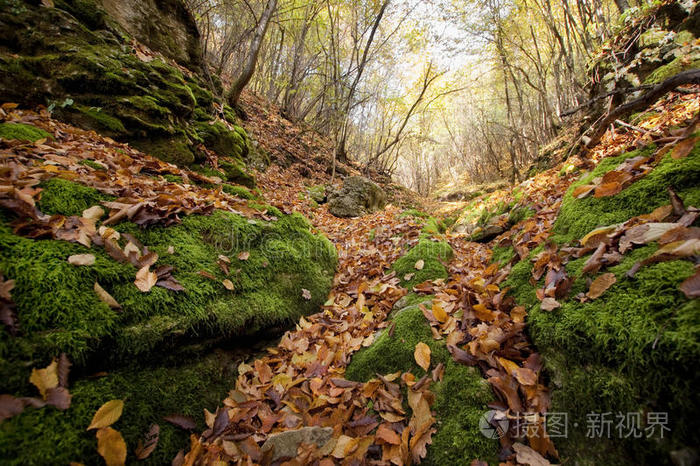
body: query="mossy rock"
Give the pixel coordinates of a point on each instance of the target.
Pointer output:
(77, 53)
(632, 349)
(58, 310)
(22, 132)
(671, 69)
(49, 436)
(432, 253)
(235, 172)
(580, 216)
(461, 398)
(239, 191)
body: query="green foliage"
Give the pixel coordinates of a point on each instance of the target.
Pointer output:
(433, 255)
(22, 132)
(59, 311)
(579, 216)
(50, 436)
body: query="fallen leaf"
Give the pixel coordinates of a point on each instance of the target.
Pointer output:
(549, 304)
(306, 294)
(420, 264)
(46, 378)
(228, 284)
(422, 355)
(691, 286)
(183, 422)
(145, 279)
(81, 259)
(93, 213)
(683, 148)
(439, 312)
(107, 414)
(244, 256)
(171, 250)
(10, 406)
(601, 284)
(58, 397)
(106, 297)
(149, 443)
(526, 455)
(111, 446)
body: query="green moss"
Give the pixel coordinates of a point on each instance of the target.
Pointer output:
(671, 69)
(92, 164)
(99, 120)
(641, 338)
(207, 170)
(413, 213)
(49, 436)
(174, 179)
(579, 216)
(518, 214)
(236, 172)
(317, 193)
(174, 150)
(59, 311)
(461, 398)
(64, 197)
(22, 132)
(222, 140)
(238, 191)
(433, 255)
(502, 255)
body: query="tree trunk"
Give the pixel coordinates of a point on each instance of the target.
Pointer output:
(234, 93)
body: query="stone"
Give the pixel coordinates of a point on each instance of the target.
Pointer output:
(285, 444)
(175, 33)
(358, 196)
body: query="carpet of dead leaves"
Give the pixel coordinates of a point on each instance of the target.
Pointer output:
(300, 382)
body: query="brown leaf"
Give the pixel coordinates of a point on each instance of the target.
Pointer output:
(549, 304)
(691, 286)
(46, 378)
(93, 213)
(183, 422)
(58, 397)
(228, 284)
(422, 355)
(106, 297)
(111, 446)
(439, 311)
(10, 406)
(419, 264)
(582, 191)
(81, 259)
(243, 256)
(526, 455)
(63, 370)
(387, 435)
(145, 279)
(149, 443)
(461, 356)
(107, 415)
(601, 284)
(683, 148)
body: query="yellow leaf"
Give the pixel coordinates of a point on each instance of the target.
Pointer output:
(439, 312)
(419, 264)
(111, 446)
(46, 378)
(106, 297)
(107, 414)
(228, 284)
(422, 355)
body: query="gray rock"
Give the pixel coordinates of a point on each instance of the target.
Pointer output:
(357, 197)
(285, 444)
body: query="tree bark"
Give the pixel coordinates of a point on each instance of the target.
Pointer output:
(234, 93)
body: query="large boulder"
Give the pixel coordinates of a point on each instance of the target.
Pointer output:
(357, 197)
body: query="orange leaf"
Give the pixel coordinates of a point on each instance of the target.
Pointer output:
(45, 379)
(439, 312)
(111, 446)
(601, 284)
(422, 355)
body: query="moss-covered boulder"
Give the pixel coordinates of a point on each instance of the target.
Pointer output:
(461, 398)
(357, 197)
(425, 261)
(633, 351)
(22, 132)
(79, 61)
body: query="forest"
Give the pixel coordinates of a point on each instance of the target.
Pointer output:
(382, 232)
